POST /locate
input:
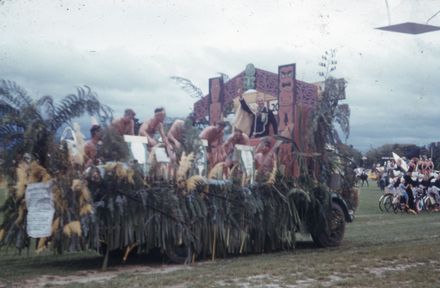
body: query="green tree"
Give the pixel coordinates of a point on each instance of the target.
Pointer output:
(376, 155)
(30, 126)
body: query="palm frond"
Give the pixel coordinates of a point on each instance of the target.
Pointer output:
(224, 76)
(14, 95)
(188, 87)
(342, 117)
(45, 104)
(75, 105)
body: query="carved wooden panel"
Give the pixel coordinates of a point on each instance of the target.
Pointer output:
(215, 100)
(286, 95)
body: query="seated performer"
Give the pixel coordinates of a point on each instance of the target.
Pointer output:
(214, 136)
(263, 118)
(150, 127)
(238, 137)
(91, 147)
(125, 125)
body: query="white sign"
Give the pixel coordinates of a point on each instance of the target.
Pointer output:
(247, 159)
(39, 202)
(138, 147)
(161, 155)
(135, 139)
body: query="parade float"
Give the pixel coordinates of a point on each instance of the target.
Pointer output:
(139, 199)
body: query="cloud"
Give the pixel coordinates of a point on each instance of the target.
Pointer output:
(127, 50)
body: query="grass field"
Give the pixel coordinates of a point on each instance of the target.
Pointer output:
(379, 250)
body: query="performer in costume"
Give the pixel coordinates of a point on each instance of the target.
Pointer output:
(91, 147)
(175, 139)
(175, 134)
(125, 125)
(150, 127)
(263, 118)
(265, 157)
(238, 137)
(214, 136)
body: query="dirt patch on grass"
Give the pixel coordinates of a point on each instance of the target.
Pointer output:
(266, 280)
(393, 267)
(97, 276)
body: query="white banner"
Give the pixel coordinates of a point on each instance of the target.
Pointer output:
(39, 202)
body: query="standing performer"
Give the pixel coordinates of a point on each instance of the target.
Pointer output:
(263, 118)
(238, 137)
(214, 136)
(266, 156)
(125, 125)
(175, 134)
(150, 127)
(91, 147)
(175, 139)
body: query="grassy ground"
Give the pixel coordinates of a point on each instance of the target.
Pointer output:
(379, 250)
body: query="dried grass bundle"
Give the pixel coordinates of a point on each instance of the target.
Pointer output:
(217, 171)
(80, 143)
(81, 188)
(76, 185)
(59, 202)
(85, 196)
(273, 173)
(22, 179)
(38, 173)
(73, 228)
(110, 166)
(41, 245)
(21, 213)
(55, 225)
(130, 176)
(184, 166)
(120, 171)
(195, 181)
(86, 209)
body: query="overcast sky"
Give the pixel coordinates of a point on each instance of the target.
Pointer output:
(126, 52)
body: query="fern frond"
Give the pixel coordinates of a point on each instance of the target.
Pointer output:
(13, 94)
(74, 105)
(188, 87)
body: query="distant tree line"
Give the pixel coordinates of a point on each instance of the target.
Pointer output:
(375, 155)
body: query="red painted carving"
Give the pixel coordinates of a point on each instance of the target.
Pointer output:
(266, 82)
(233, 88)
(307, 94)
(216, 100)
(286, 87)
(215, 113)
(215, 90)
(201, 108)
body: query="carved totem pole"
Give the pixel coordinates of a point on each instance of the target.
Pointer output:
(215, 100)
(286, 115)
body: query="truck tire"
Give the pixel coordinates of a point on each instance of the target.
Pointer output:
(179, 254)
(332, 235)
